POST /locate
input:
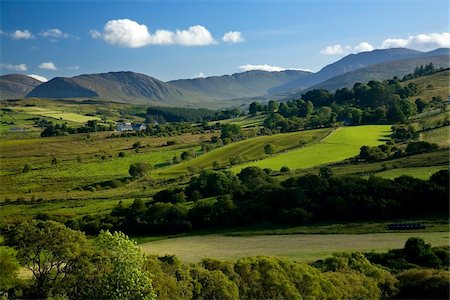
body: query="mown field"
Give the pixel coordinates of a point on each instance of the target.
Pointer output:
(249, 149)
(343, 143)
(300, 247)
(55, 114)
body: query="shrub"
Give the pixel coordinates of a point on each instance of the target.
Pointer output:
(138, 169)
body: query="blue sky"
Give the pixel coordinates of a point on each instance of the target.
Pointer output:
(67, 38)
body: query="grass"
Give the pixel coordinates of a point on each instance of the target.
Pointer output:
(432, 86)
(67, 208)
(295, 246)
(248, 149)
(343, 143)
(418, 172)
(245, 121)
(440, 136)
(56, 114)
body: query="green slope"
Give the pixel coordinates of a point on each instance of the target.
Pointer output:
(248, 149)
(343, 143)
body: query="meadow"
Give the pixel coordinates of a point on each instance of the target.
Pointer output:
(55, 114)
(249, 149)
(300, 247)
(343, 143)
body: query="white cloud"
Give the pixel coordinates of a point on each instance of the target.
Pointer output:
(19, 67)
(38, 77)
(48, 66)
(22, 34)
(420, 42)
(55, 34)
(76, 67)
(268, 68)
(128, 33)
(334, 50)
(363, 47)
(200, 75)
(233, 37)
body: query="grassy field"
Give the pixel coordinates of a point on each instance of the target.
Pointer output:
(296, 246)
(418, 172)
(55, 114)
(431, 86)
(343, 143)
(245, 121)
(248, 149)
(440, 136)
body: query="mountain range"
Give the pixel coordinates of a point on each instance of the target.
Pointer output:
(219, 91)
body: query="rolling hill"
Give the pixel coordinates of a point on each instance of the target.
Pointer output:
(126, 87)
(357, 61)
(381, 71)
(15, 86)
(239, 85)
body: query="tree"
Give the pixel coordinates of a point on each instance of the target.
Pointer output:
(9, 266)
(232, 131)
(254, 108)
(272, 106)
(122, 276)
(269, 149)
(138, 169)
(325, 172)
(54, 161)
(51, 252)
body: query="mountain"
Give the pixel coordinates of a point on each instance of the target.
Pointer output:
(353, 62)
(16, 86)
(381, 71)
(126, 87)
(239, 85)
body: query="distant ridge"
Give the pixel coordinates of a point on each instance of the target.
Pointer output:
(113, 86)
(239, 85)
(353, 62)
(16, 86)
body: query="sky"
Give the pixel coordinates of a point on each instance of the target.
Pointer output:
(187, 39)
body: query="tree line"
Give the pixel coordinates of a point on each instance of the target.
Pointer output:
(64, 263)
(222, 199)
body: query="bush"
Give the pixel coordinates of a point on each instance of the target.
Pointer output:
(138, 169)
(121, 154)
(26, 168)
(269, 149)
(423, 284)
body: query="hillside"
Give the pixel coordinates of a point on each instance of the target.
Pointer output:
(239, 85)
(381, 71)
(126, 87)
(353, 62)
(15, 86)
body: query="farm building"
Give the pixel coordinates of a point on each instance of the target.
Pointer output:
(139, 127)
(124, 127)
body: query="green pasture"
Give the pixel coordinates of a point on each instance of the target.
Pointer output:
(440, 136)
(67, 208)
(245, 121)
(56, 114)
(300, 247)
(341, 144)
(249, 149)
(418, 172)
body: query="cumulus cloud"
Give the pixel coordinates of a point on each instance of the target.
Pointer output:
(334, 50)
(130, 34)
(55, 34)
(200, 75)
(420, 42)
(38, 77)
(48, 66)
(268, 68)
(19, 67)
(233, 37)
(22, 34)
(363, 47)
